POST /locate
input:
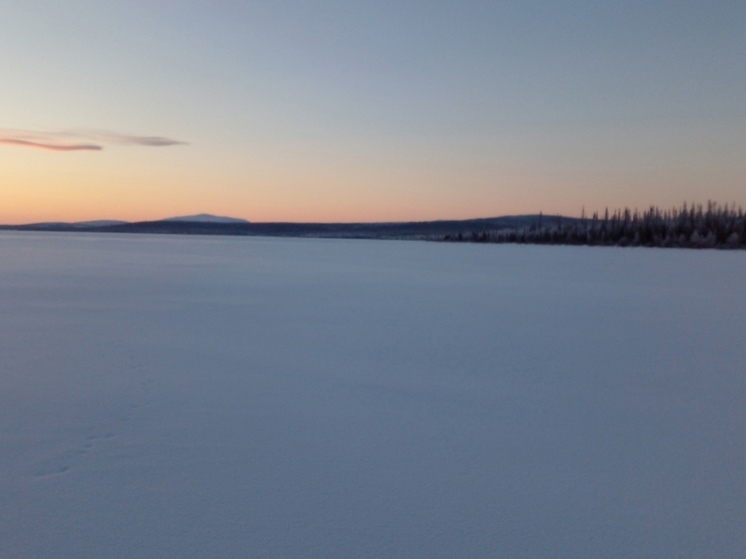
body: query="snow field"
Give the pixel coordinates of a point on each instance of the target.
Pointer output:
(227, 397)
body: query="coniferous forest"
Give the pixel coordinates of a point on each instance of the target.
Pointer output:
(690, 226)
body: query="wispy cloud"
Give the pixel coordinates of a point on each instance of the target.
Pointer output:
(79, 140)
(107, 137)
(49, 146)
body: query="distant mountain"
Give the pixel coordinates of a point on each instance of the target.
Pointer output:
(205, 224)
(695, 227)
(205, 218)
(98, 223)
(67, 226)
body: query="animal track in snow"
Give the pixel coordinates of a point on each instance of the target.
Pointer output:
(51, 470)
(136, 396)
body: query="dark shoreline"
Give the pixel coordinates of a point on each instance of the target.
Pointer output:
(429, 230)
(697, 226)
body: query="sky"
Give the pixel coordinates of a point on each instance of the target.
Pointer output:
(367, 110)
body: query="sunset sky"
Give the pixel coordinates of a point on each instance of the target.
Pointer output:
(367, 110)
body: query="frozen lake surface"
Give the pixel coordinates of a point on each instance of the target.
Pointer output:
(195, 397)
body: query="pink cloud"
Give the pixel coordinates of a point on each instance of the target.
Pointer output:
(49, 147)
(65, 140)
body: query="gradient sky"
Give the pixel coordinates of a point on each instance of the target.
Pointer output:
(368, 110)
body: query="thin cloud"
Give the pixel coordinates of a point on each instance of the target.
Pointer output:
(154, 141)
(77, 140)
(107, 137)
(49, 147)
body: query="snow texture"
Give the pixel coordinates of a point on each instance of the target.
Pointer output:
(199, 397)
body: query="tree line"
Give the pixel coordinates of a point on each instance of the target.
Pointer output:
(689, 226)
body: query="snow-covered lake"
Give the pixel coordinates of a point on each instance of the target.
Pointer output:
(192, 397)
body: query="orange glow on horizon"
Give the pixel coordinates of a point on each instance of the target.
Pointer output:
(149, 185)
